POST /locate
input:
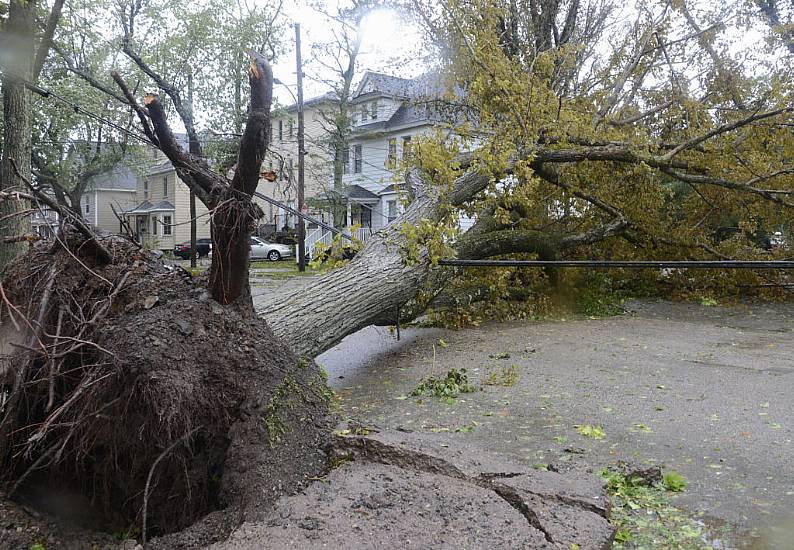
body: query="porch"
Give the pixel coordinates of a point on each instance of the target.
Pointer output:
(152, 224)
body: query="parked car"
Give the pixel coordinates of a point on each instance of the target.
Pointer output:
(261, 249)
(203, 247)
(777, 239)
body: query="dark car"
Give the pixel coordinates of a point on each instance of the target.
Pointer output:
(203, 247)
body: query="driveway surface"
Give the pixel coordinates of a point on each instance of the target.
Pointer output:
(706, 391)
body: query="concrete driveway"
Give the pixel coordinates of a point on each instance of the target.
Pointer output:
(707, 391)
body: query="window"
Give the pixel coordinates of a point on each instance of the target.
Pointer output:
(391, 210)
(364, 113)
(166, 225)
(391, 160)
(357, 160)
(145, 189)
(154, 225)
(374, 110)
(165, 186)
(281, 130)
(291, 133)
(406, 147)
(346, 160)
(87, 205)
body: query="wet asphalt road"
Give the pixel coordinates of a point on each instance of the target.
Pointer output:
(707, 391)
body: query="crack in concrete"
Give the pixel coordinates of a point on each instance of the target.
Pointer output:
(511, 497)
(384, 453)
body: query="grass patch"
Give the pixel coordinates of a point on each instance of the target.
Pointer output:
(708, 301)
(644, 516)
(453, 384)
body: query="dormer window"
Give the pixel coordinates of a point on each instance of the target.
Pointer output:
(374, 110)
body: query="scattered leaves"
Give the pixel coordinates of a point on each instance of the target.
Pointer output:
(453, 384)
(588, 430)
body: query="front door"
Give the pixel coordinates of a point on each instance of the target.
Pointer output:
(141, 227)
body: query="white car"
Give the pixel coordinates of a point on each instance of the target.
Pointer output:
(777, 240)
(261, 249)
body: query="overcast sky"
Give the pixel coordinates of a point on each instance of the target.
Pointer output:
(386, 35)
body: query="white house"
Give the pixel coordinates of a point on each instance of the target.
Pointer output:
(282, 162)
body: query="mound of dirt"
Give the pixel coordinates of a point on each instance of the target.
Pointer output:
(127, 391)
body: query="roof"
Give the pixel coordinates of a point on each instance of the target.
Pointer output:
(389, 189)
(160, 167)
(357, 192)
(418, 99)
(379, 83)
(146, 207)
(326, 97)
(120, 177)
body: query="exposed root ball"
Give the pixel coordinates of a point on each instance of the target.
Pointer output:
(125, 384)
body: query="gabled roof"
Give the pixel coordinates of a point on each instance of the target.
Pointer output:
(418, 99)
(328, 97)
(383, 84)
(160, 167)
(389, 189)
(356, 192)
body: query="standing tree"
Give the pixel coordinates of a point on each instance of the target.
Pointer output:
(22, 61)
(337, 63)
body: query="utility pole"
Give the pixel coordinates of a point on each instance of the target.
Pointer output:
(301, 154)
(194, 148)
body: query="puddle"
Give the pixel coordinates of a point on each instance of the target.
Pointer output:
(347, 362)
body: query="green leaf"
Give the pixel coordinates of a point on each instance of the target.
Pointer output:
(673, 481)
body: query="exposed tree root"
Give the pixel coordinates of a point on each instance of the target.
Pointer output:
(124, 383)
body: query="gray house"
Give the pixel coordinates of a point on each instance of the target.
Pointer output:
(112, 189)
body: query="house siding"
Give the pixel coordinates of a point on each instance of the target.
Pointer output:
(318, 169)
(181, 202)
(103, 203)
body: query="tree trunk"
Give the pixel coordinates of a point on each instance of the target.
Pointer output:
(234, 215)
(375, 283)
(17, 120)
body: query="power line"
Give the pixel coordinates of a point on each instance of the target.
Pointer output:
(627, 264)
(43, 92)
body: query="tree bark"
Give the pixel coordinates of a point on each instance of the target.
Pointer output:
(17, 123)
(377, 281)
